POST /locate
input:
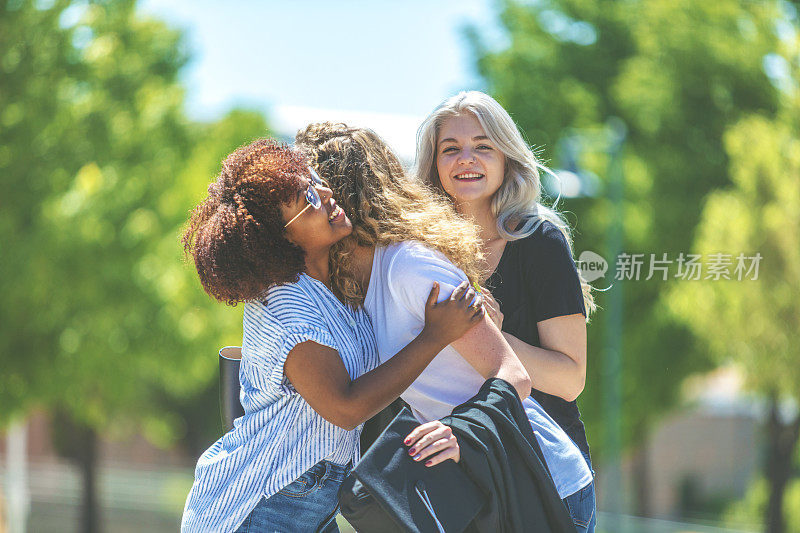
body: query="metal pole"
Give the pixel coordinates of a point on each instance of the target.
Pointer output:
(18, 497)
(613, 489)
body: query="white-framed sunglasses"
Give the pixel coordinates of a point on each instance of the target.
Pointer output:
(312, 195)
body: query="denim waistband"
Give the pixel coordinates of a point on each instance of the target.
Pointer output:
(336, 472)
(331, 470)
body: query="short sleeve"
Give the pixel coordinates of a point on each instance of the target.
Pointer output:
(292, 337)
(552, 277)
(271, 330)
(412, 272)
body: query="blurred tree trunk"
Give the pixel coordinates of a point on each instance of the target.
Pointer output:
(782, 442)
(90, 509)
(78, 442)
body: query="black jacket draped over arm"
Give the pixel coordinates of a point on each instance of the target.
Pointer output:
(501, 454)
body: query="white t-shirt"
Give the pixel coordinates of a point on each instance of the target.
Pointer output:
(401, 279)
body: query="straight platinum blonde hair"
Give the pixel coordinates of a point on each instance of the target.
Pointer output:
(517, 203)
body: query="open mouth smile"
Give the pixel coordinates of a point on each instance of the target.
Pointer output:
(468, 176)
(336, 214)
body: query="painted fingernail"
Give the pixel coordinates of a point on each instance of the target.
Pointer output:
(412, 451)
(407, 441)
(429, 463)
(417, 457)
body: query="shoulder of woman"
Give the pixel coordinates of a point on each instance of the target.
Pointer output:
(287, 291)
(411, 255)
(291, 302)
(412, 268)
(414, 256)
(546, 239)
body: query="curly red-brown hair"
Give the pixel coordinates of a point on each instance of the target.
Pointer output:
(236, 235)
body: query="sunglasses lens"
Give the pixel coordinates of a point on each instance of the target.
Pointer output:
(312, 197)
(315, 179)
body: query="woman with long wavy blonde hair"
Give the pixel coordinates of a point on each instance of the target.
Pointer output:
(385, 207)
(404, 240)
(470, 150)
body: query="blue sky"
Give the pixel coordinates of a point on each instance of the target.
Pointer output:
(399, 58)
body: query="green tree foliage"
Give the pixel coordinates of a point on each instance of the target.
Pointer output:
(104, 324)
(34, 60)
(678, 73)
(101, 168)
(754, 322)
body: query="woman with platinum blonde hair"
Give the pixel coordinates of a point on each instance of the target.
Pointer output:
(471, 152)
(404, 240)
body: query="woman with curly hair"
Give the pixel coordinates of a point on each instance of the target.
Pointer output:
(405, 239)
(309, 370)
(471, 151)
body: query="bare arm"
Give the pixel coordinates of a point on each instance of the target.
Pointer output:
(319, 375)
(490, 354)
(559, 366)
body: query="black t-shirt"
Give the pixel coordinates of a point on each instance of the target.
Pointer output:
(536, 279)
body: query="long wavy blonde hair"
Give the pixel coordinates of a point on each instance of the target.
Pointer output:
(518, 200)
(386, 207)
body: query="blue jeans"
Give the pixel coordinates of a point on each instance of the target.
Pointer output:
(582, 506)
(308, 504)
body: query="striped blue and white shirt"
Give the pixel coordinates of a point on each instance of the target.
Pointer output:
(280, 436)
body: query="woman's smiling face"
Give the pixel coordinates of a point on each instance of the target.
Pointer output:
(315, 228)
(471, 168)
